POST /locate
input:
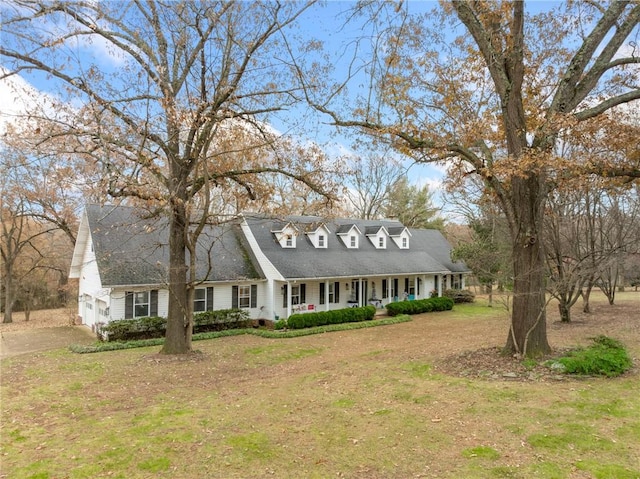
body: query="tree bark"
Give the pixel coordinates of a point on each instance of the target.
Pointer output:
(9, 298)
(528, 332)
(565, 312)
(178, 335)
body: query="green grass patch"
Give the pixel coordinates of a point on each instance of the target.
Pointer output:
(417, 369)
(251, 446)
(157, 464)
(605, 357)
(482, 452)
(343, 403)
(573, 436)
(607, 471)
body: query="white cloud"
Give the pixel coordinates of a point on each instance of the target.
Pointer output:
(16, 97)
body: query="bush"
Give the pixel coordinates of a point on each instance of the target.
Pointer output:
(460, 295)
(605, 357)
(132, 329)
(155, 326)
(323, 318)
(220, 320)
(419, 306)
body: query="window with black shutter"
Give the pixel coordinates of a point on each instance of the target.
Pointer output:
(234, 297)
(128, 305)
(153, 303)
(254, 295)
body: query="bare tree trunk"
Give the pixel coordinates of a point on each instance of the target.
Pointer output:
(528, 332)
(178, 335)
(565, 312)
(9, 298)
(586, 295)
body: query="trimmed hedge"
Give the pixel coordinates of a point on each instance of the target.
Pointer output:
(155, 326)
(338, 316)
(264, 333)
(460, 295)
(420, 306)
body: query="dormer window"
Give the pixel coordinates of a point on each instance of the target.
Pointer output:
(318, 234)
(377, 235)
(400, 236)
(349, 234)
(286, 235)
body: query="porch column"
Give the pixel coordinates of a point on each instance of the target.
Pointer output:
(326, 295)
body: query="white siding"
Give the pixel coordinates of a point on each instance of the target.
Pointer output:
(89, 281)
(116, 309)
(89, 285)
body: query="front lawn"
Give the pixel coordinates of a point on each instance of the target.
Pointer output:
(367, 403)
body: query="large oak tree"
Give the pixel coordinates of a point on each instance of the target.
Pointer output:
(157, 88)
(490, 87)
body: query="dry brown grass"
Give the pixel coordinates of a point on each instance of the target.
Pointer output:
(44, 318)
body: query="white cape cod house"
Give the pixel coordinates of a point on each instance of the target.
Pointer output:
(271, 267)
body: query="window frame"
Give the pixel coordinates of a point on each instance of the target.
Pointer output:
(244, 296)
(206, 301)
(133, 304)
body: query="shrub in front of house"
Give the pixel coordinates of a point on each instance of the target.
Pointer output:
(460, 295)
(132, 329)
(419, 306)
(155, 327)
(323, 318)
(220, 320)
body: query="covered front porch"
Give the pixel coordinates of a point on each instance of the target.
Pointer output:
(305, 295)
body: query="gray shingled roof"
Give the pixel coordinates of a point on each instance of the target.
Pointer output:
(438, 246)
(428, 251)
(132, 249)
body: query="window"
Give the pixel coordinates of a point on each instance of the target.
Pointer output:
(139, 304)
(298, 294)
(289, 241)
(334, 292)
(321, 241)
(295, 294)
(203, 299)
(405, 243)
(244, 296)
(381, 242)
(354, 241)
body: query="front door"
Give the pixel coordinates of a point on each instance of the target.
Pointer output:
(355, 291)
